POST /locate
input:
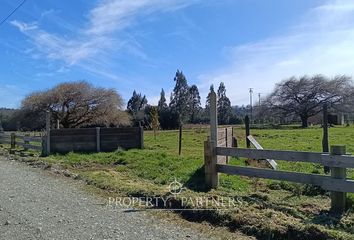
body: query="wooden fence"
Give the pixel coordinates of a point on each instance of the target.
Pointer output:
(93, 139)
(24, 140)
(77, 140)
(337, 160)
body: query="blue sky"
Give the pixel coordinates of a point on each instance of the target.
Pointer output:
(139, 44)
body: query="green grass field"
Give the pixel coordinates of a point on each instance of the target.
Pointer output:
(272, 209)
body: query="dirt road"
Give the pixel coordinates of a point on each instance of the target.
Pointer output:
(35, 204)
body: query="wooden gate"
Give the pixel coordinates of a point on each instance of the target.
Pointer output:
(337, 159)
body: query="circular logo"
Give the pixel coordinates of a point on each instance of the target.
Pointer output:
(175, 187)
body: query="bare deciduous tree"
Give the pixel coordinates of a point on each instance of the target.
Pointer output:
(78, 104)
(305, 96)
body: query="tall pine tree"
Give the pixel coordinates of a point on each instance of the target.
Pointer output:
(164, 112)
(180, 97)
(136, 105)
(194, 103)
(207, 105)
(162, 105)
(224, 105)
(207, 102)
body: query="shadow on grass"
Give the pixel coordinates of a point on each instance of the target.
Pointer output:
(197, 181)
(330, 218)
(326, 218)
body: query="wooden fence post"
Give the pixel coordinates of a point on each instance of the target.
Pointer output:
(213, 119)
(247, 126)
(234, 142)
(141, 137)
(25, 141)
(13, 141)
(180, 140)
(98, 139)
(211, 176)
(44, 146)
(338, 199)
(212, 179)
(226, 145)
(325, 142)
(47, 127)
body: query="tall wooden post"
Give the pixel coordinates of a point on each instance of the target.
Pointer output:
(13, 143)
(213, 118)
(325, 142)
(234, 142)
(180, 140)
(47, 128)
(141, 130)
(338, 199)
(211, 176)
(247, 126)
(26, 142)
(13, 140)
(342, 119)
(212, 179)
(98, 139)
(226, 145)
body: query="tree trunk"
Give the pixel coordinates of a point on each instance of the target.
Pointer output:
(192, 117)
(304, 121)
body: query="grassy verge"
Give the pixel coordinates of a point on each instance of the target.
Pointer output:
(266, 209)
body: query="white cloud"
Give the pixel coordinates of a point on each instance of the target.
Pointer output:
(114, 15)
(23, 27)
(96, 40)
(321, 43)
(343, 6)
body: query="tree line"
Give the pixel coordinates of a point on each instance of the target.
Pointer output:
(301, 98)
(184, 106)
(80, 104)
(295, 99)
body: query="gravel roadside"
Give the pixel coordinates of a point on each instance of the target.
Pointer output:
(35, 204)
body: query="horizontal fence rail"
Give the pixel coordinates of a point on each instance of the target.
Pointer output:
(5, 138)
(326, 182)
(337, 160)
(32, 139)
(345, 161)
(336, 183)
(22, 140)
